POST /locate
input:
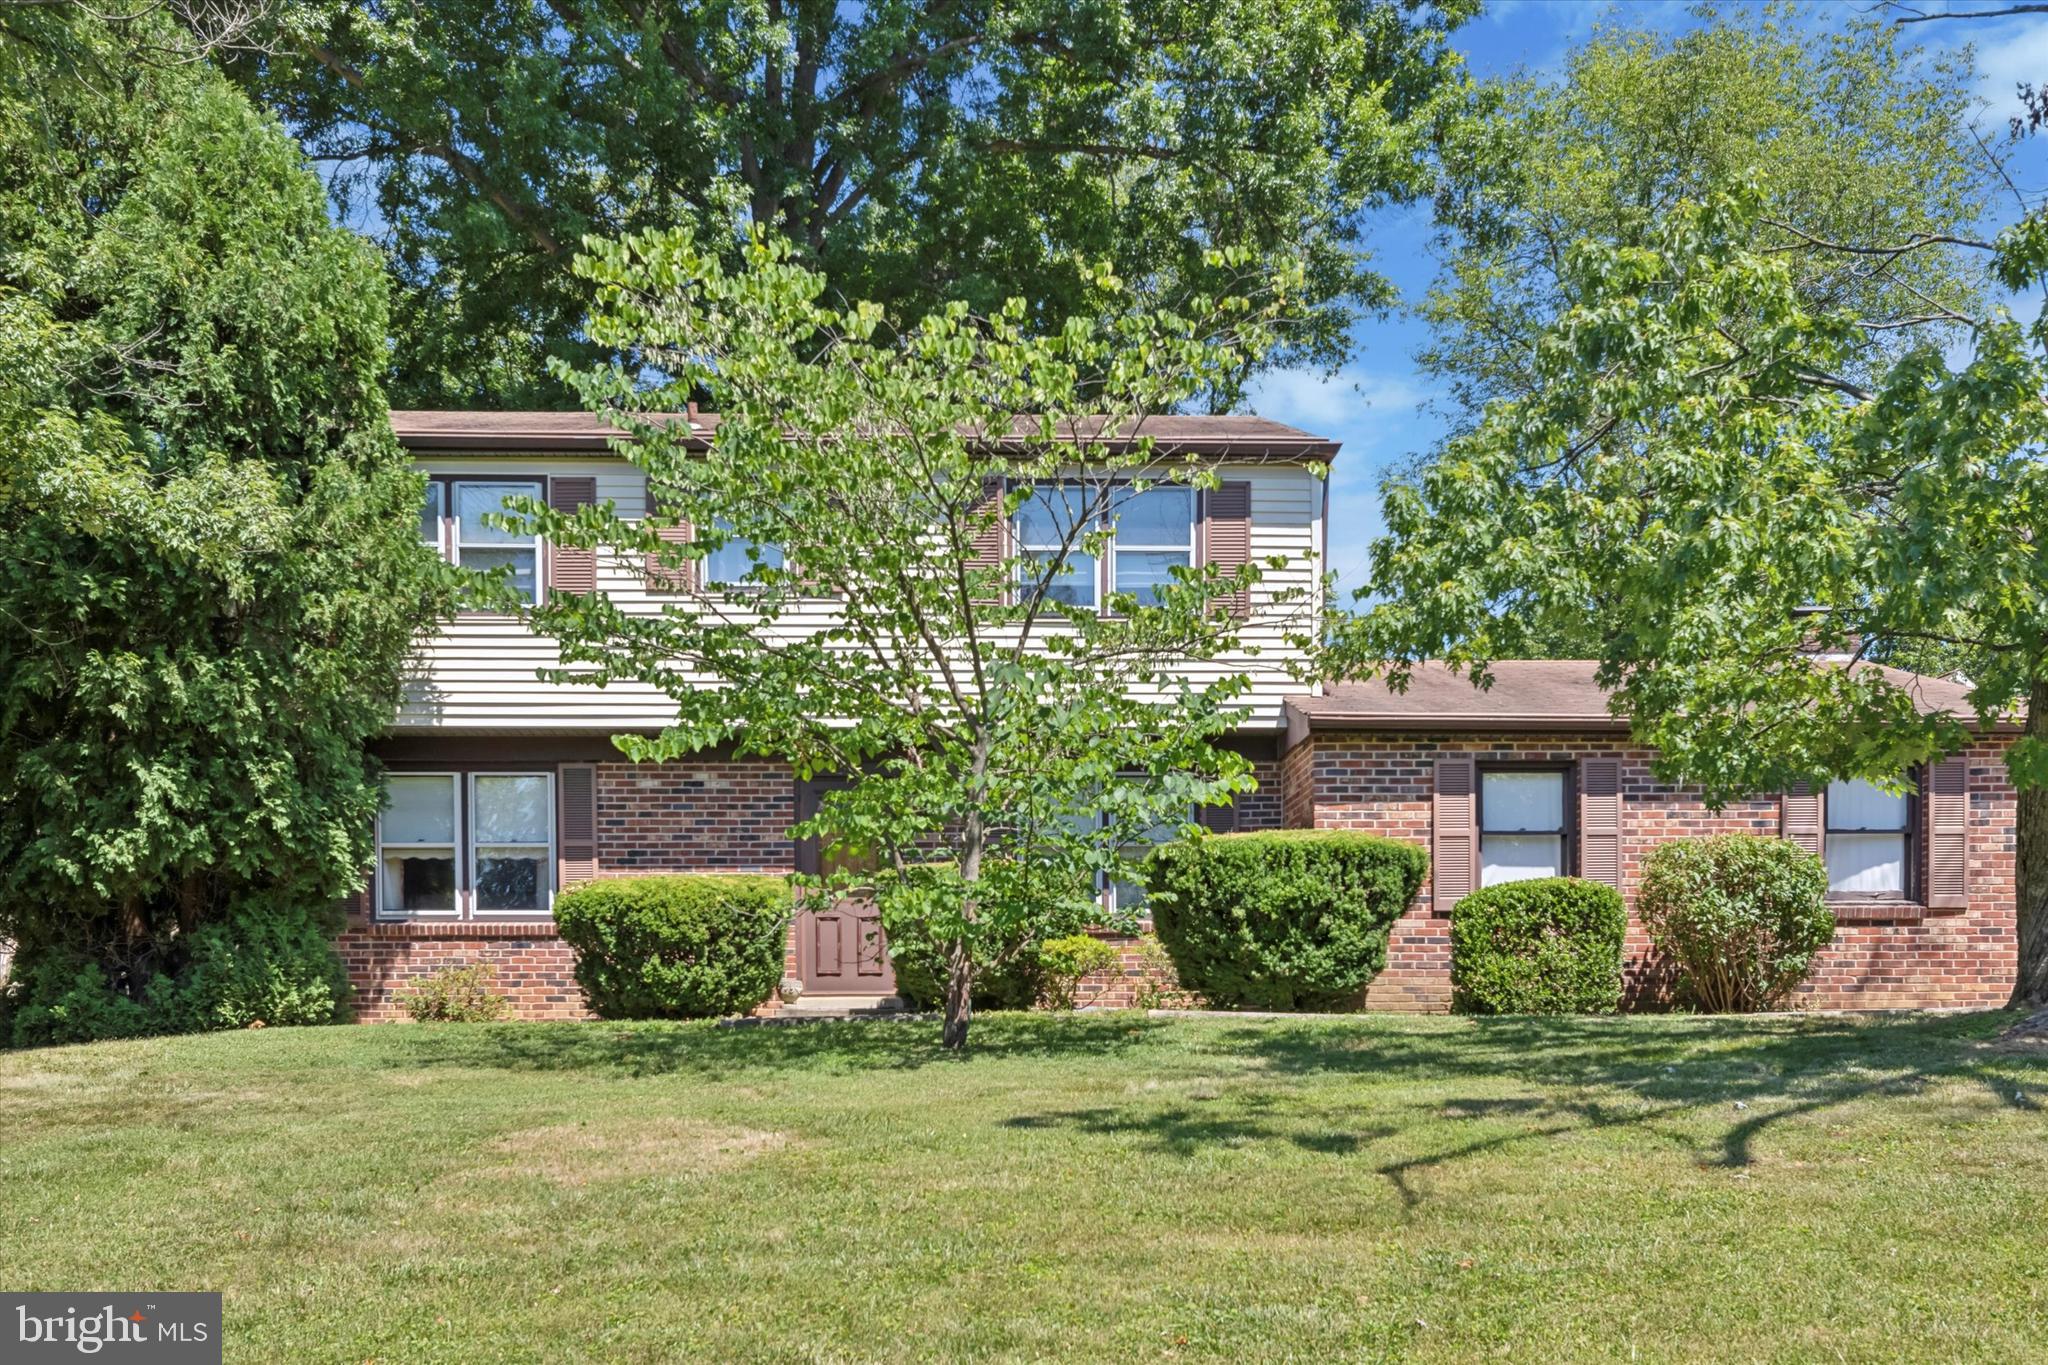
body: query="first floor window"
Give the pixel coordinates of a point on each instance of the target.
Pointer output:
(1868, 840)
(1521, 825)
(453, 845)
(1126, 893)
(512, 834)
(416, 838)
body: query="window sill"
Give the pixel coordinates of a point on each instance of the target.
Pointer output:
(1873, 911)
(461, 928)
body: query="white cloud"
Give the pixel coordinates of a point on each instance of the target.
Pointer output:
(1324, 403)
(2007, 54)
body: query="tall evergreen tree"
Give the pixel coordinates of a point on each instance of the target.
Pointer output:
(211, 575)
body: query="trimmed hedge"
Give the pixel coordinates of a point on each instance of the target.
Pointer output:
(1280, 919)
(677, 947)
(1740, 916)
(1549, 945)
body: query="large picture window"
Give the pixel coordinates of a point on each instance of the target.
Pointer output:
(453, 845)
(1154, 535)
(1522, 831)
(483, 547)
(1869, 841)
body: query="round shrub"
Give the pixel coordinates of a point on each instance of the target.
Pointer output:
(1280, 919)
(1740, 917)
(683, 947)
(1064, 963)
(1549, 945)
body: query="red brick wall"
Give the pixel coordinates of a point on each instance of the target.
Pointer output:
(672, 817)
(529, 965)
(1907, 958)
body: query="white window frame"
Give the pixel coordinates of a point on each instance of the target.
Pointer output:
(740, 585)
(1565, 832)
(1025, 549)
(1909, 835)
(437, 496)
(453, 508)
(401, 915)
(1116, 539)
(462, 782)
(466, 896)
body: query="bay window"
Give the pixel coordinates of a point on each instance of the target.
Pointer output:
(1522, 831)
(1868, 841)
(454, 845)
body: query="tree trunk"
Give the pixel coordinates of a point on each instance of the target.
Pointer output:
(2030, 871)
(959, 998)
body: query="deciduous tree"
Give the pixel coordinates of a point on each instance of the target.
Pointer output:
(1718, 508)
(1000, 737)
(915, 152)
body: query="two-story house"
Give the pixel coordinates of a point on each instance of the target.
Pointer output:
(504, 789)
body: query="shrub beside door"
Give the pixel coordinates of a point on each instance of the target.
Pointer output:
(676, 947)
(1280, 919)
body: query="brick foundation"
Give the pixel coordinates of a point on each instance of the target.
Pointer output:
(530, 966)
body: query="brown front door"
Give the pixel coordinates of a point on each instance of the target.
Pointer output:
(839, 948)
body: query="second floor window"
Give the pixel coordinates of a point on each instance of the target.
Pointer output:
(1868, 840)
(730, 563)
(1155, 534)
(1152, 534)
(1521, 825)
(483, 547)
(1048, 523)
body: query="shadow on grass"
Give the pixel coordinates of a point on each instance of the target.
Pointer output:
(1594, 1074)
(655, 1049)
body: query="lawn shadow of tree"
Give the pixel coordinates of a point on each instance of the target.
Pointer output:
(1595, 1074)
(713, 1052)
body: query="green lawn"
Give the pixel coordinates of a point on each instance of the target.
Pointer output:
(1081, 1187)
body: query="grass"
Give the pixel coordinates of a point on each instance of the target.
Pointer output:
(1081, 1187)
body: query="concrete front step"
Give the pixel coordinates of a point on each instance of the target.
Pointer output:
(845, 1007)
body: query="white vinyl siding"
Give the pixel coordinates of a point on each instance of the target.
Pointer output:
(478, 675)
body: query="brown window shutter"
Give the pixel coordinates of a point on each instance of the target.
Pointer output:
(1799, 817)
(576, 840)
(991, 542)
(671, 577)
(1227, 539)
(1948, 835)
(1600, 821)
(569, 569)
(1454, 834)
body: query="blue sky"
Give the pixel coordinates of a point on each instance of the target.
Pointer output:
(1374, 406)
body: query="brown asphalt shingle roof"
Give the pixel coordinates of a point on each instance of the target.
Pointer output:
(1527, 694)
(1237, 436)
